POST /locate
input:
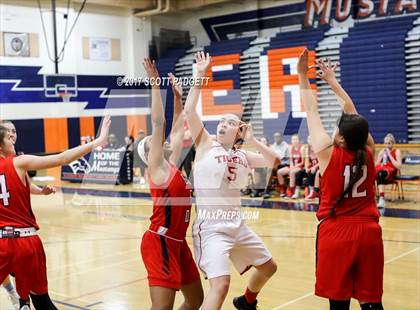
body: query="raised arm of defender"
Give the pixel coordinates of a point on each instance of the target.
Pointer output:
(178, 120)
(320, 140)
(327, 73)
(24, 163)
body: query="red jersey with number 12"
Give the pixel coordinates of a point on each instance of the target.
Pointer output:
(361, 198)
(15, 198)
(171, 205)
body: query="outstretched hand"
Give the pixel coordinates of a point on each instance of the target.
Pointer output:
(203, 63)
(103, 137)
(176, 87)
(150, 67)
(326, 70)
(302, 65)
(47, 190)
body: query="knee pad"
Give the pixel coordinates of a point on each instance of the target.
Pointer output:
(42, 302)
(339, 304)
(372, 306)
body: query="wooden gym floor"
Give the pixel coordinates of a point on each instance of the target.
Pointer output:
(92, 242)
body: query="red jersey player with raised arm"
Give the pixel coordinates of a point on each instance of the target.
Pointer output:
(21, 251)
(350, 257)
(165, 252)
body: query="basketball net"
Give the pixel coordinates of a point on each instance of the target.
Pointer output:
(64, 96)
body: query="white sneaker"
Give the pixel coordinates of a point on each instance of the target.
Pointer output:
(25, 307)
(296, 193)
(381, 202)
(14, 299)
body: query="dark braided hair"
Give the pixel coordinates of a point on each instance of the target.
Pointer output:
(355, 130)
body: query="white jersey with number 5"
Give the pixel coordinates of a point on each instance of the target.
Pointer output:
(219, 177)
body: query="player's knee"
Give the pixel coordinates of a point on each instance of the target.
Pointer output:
(269, 268)
(339, 304)
(382, 176)
(221, 287)
(194, 302)
(372, 306)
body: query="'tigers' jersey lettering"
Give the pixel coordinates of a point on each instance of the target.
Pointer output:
(221, 159)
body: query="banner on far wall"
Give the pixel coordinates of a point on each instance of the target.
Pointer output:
(108, 166)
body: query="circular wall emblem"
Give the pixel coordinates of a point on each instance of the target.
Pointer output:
(16, 44)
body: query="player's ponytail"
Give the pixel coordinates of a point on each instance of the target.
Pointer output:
(355, 130)
(3, 133)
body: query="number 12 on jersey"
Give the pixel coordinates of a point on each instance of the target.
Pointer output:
(354, 192)
(4, 194)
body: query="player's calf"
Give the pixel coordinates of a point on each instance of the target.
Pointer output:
(339, 304)
(372, 306)
(42, 302)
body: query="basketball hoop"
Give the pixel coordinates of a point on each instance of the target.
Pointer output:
(64, 96)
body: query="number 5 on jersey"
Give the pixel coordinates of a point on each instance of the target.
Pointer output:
(4, 194)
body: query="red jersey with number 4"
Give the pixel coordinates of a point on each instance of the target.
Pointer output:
(15, 198)
(360, 200)
(313, 159)
(296, 155)
(171, 205)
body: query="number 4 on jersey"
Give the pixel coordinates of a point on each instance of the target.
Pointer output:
(4, 194)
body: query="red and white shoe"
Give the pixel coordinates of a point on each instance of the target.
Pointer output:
(290, 192)
(313, 195)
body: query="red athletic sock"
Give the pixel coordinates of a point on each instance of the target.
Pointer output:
(250, 297)
(382, 194)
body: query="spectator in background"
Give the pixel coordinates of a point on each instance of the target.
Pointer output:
(387, 164)
(129, 143)
(312, 171)
(283, 155)
(112, 142)
(139, 170)
(296, 165)
(140, 135)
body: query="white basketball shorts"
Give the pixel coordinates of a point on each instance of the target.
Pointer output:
(214, 244)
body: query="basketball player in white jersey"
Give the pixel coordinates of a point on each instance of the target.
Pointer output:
(220, 171)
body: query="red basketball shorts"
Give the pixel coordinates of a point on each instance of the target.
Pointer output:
(391, 171)
(350, 259)
(169, 263)
(24, 257)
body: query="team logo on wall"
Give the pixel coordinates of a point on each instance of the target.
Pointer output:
(80, 166)
(16, 44)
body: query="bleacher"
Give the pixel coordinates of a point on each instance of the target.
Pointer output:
(165, 65)
(412, 58)
(328, 106)
(285, 122)
(379, 67)
(374, 75)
